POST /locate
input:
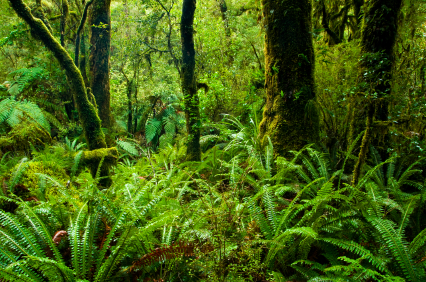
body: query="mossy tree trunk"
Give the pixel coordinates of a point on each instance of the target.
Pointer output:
(89, 119)
(290, 118)
(377, 43)
(100, 41)
(188, 81)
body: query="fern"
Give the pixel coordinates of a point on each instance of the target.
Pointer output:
(14, 112)
(129, 147)
(397, 247)
(26, 77)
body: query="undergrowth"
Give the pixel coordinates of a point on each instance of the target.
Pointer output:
(239, 215)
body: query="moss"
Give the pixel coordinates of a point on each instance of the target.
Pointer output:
(289, 82)
(28, 185)
(110, 155)
(91, 159)
(22, 136)
(30, 178)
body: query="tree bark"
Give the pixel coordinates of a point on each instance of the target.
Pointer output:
(290, 118)
(188, 81)
(100, 40)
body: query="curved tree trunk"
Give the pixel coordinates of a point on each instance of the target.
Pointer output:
(89, 119)
(100, 40)
(289, 118)
(188, 80)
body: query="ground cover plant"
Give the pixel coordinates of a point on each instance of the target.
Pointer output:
(271, 140)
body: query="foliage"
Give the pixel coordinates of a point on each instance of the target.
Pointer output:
(239, 214)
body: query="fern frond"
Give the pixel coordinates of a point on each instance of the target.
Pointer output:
(13, 276)
(21, 234)
(418, 242)
(357, 249)
(40, 228)
(396, 246)
(128, 147)
(52, 270)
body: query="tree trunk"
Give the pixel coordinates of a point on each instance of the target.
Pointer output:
(64, 17)
(100, 41)
(290, 118)
(377, 43)
(189, 84)
(89, 119)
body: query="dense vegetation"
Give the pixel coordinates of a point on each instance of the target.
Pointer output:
(154, 140)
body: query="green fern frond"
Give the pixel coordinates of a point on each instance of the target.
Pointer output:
(152, 129)
(129, 147)
(41, 230)
(418, 242)
(21, 234)
(52, 270)
(13, 276)
(26, 77)
(358, 250)
(396, 246)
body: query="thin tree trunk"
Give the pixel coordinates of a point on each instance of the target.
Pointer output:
(366, 139)
(290, 118)
(188, 80)
(100, 41)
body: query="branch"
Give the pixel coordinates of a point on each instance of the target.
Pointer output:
(155, 49)
(80, 28)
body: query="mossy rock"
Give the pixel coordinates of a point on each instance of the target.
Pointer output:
(22, 135)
